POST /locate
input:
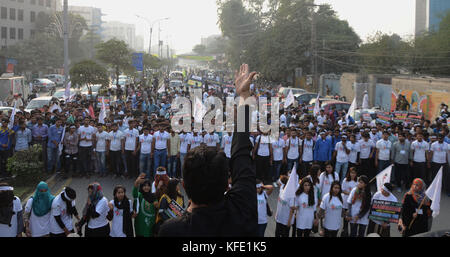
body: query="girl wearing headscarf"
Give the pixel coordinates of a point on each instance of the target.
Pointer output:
(63, 209)
(359, 207)
(38, 212)
(145, 206)
(95, 212)
(410, 210)
(122, 214)
(11, 214)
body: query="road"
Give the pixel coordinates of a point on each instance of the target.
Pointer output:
(108, 183)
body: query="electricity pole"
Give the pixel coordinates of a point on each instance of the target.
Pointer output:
(66, 44)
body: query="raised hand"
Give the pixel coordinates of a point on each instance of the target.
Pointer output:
(243, 79)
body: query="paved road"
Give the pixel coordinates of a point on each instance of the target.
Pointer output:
(108, 183)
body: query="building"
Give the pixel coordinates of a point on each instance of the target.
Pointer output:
(121, 31)
(18, 18)
(93, 16)
(429, 14)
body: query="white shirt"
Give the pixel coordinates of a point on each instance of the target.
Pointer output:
(305, 213)
(196, 140)
(262, 208)
(277, 148)
(39, 226)
(117, 221)
(226, 144)
(6, 230)
(86, 133)
(384, 147)
(263, 149)
(365, 148)
(283, 209)
(348, 187)
(293, 150)
(342, 155)
(321, 119)
(161, 140)
(130, 139)
(356, 208)
(307, 154)
(101, 141)
(439, 152)
(379, 196)
(333, 212)
(146, 143)
(59, 208)
(115, 140)
(283, 120)
(420, 149)
(101, 208)
(325, 182)
(354, 150)
(211, 140)
(185, 140)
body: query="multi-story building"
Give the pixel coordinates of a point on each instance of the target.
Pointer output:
(429, 14)
(18, 18)
(120, 31)
(93, 16)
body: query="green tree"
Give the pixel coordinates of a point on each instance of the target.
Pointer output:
(199, 49)
(88, 73)
(151, 61)
(116, 54)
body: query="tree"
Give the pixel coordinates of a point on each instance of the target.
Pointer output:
(88, 73)
(199, 49)
(116, 54)
(151, 61)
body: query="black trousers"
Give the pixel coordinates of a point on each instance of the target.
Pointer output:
(281, 230)
(131, 163)
(365, 168)
(330, 233)
(375, 228)
(263, 169)
(305, 167)
(303, 232)
(401, 172)
(85, 155)
(419, 171)
(70, 161)
(98, 232)
(434, 170)
(115, 158)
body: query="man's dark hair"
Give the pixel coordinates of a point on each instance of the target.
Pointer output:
(205, 175)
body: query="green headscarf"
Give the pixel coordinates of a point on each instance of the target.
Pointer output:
(42, 201)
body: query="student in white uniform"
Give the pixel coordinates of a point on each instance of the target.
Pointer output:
(348, 184)
(283, 209)
(293, 150)
(438, 157)
(63, 209)
(197, 139)
(11, 213)
(331, 210)
(359, 207)
(304, 205)
(94, 213)
(376, 226)
(38, 212)
(121, 210)
(326, 178)
(262, 193)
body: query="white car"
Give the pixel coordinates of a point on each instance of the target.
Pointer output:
(38, 103)
(61, 92)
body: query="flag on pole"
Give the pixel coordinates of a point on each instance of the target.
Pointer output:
(162, 89)
(60, 146)
(199, 110)
(352, 109)
(11, 119)
(289, 99)
(67, 91)
(384, 177)
(434, 193)
(317, 106)
(91, 111)
(291, 186)
(365, 104)
(102, 115)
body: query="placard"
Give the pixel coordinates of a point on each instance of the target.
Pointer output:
(385, 211)
(174, 210)
(384, 118)
(366, 117)
(400, 116)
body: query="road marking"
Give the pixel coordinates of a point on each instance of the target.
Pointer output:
(68, 181)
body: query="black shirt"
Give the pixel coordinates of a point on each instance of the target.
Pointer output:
(236, 214)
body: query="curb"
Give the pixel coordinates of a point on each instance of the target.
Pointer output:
(50, 182)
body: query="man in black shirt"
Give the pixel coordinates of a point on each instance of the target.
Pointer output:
(211, 212)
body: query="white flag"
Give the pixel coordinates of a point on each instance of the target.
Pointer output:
(102, 115)
(60, 146)
(199, 110)
(434, 193)
(384, 177)
(317, 106)
(291, 186)
(289, 99)
(67, 92)
(162, 89)
(352, 109)
(11, 119)
(55, 107)
(365, 104)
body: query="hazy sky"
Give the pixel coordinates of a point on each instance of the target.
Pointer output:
(192, 19)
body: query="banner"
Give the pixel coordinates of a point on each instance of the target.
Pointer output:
(138, 61)
(414, 117)
(385, 211)
(383, 118)
(400, 116)
(366, 117)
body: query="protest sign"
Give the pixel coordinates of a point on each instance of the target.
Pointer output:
(414, 117)
(383, 118)
(174, 210)
(400, 116)
(385, 211)
(366, 116)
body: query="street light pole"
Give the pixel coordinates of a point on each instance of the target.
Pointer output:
(66, 44)
(151, 24)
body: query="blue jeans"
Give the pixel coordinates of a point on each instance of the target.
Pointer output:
(101, 162)
(53, 159)
(343, 166)
(261, 229)
(144, 163)
(182, 155)
(276, 168)
(172, 166)
(290, 164)
(160, 157)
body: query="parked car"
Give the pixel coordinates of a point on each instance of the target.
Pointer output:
(339, 105)
(176, 84)
(304, 98)
(38, 103)
(6, 110)
(61, 92)
(284, 91)
(57, 78)
(43, 84)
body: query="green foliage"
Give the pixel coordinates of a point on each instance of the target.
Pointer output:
(116, 54)
(151, 61)
(27, 166)
(88, 73)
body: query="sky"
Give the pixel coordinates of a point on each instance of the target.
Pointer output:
(190, 20)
